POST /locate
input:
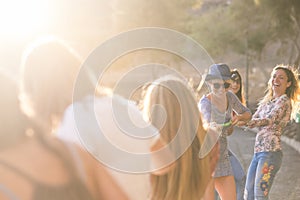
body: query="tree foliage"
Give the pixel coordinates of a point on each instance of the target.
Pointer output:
(284, 23)
(250, 26)
(141, 13)
(240, 26)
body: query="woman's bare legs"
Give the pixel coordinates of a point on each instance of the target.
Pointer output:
(225, 186)
(210, 191)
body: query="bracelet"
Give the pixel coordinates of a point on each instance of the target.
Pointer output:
(227, 124)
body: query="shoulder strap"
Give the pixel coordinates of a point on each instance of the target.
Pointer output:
(64, 156)
(77, 160)
(8, 193)
(18, 171)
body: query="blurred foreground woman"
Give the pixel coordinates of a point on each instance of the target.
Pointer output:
(172, 108)
(33, 164)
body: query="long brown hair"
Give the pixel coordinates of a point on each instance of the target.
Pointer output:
(189, 177)
(291, 91)
(240, 94)
(48, 71)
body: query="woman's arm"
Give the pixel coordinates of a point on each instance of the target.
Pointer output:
(281, 110)
(241, 119)
(204, 106)
(243, 114)
(257, 122)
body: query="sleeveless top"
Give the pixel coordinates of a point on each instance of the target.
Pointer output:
(74, 189)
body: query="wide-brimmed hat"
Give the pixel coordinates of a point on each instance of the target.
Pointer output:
(218, 71)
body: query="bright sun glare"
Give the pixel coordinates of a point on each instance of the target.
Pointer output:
(22, 17)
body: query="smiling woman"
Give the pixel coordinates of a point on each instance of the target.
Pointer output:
(21, 18)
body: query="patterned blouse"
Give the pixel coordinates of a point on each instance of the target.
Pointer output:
(271, 118)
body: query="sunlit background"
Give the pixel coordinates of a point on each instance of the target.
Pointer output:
(82, 23)
(23, 18)
(251, 36)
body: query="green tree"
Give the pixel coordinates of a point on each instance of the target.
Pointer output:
(249, 26)
(284, 24)
(141, 13)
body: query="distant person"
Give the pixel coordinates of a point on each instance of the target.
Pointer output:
(272, 115)
(296, 109)
(171, 107)
(217, 107)
(48, 73)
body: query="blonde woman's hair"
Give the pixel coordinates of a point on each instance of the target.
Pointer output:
(189, 177)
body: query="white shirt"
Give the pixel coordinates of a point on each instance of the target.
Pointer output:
(113, 131)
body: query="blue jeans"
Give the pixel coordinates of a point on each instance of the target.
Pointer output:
(239, 176)
(261, 174)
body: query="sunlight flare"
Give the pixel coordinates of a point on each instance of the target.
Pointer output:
(21, 18)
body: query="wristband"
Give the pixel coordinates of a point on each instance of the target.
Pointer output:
(227, 124)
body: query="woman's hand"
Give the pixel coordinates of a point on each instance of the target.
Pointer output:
(241, 123)
(250, 124)
(241, 119)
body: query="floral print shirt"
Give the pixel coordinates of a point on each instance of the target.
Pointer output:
(271, 118)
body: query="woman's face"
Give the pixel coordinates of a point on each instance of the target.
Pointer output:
(235, 85)
(219, 87)
(279, 82)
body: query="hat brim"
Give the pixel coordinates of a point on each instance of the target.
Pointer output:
(212, 77)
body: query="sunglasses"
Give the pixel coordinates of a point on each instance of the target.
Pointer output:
(219, 85)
